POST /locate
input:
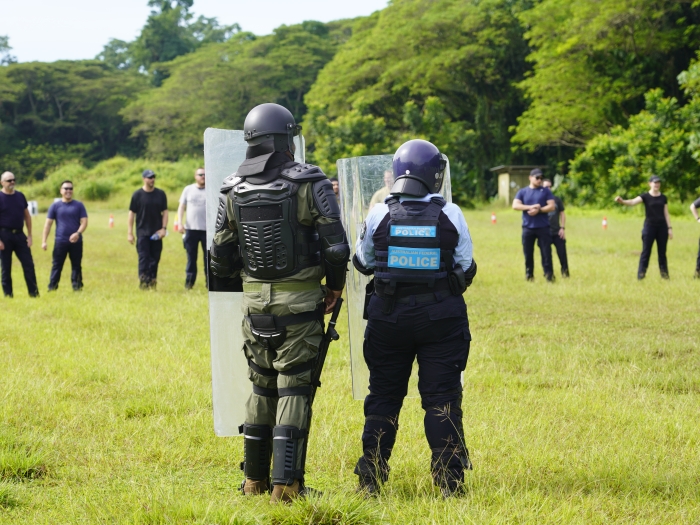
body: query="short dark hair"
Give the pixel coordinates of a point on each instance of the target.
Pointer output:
(333, 179)
(68, 181)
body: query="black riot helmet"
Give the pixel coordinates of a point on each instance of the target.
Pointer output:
(418, 168)
(271, 122)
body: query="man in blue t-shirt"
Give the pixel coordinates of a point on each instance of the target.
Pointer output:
(536, 202)
(13, 215)
(71, 221)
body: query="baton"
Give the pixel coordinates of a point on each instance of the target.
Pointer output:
(330, 335)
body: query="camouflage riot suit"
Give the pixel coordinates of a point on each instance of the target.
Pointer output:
(278, 226)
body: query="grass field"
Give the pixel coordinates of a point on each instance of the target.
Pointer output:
(581, 398)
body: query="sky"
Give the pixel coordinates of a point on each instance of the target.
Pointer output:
(48, 30)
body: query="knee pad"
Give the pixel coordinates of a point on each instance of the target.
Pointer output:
(257, 451)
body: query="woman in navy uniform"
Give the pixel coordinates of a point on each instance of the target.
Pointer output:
(419, 249)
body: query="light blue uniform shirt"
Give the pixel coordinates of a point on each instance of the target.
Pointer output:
(364, 247)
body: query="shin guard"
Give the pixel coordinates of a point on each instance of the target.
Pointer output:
(257, 452)
(287, 454)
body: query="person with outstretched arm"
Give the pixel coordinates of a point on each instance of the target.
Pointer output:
(657, 226)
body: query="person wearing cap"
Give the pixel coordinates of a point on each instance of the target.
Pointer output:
(694, 210)
(14, 213)
(193, 201)
(149, 207)
(657, 226)
(536, 202)
(557, 230)
(419, 249)
(71, 221)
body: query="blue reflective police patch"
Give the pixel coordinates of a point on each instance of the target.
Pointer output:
(414, 258)
(412, 231)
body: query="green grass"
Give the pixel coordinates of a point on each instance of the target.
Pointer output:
(581, 398)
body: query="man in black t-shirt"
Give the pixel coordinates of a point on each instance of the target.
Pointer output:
(557, 223)
(149, 206)
(694, 210)
(13, 215)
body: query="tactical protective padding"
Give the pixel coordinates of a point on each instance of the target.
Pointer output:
(359, 179)
(257, 451)
(286, 453)
(224, 151)
(325, 200)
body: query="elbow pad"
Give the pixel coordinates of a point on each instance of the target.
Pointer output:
(358, 266)
(224, 260)
(336, 253)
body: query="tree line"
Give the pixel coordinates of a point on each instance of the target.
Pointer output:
(602, 92)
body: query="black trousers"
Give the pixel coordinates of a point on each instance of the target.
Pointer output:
(544, 241)
(651, 233)
(441, 347)
(73, 250)
(560, 245)
(17, 243)
(149, 256)
(697, 263)
(193, 239)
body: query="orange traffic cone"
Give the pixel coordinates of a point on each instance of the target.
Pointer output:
(176, 226)
(493, 218)
(111, 221)
(605, 223)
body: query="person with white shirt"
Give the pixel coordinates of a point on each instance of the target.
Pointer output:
(193, 202)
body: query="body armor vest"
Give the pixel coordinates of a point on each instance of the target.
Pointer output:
(273, 243)
(413, 255)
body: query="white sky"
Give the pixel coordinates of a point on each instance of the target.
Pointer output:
(48, 30)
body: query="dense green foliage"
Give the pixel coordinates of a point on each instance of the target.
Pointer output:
(220, 83)
(46, 107)
(169, 32)
(441, 70)
(593, 62)
(663, 139)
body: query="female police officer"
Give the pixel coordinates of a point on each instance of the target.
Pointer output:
(420, 252)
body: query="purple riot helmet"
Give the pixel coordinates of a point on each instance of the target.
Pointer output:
(418, 168)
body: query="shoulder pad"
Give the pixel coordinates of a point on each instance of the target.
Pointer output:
(303, 173)
(325, 199)
(229, 183)
(440, 201)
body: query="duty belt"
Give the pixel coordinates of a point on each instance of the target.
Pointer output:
(11, 230)
(415, 294)
(300, 286)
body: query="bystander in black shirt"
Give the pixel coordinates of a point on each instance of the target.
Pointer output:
(149, 208)
(12, 210)
(654, 208)
(554, 223)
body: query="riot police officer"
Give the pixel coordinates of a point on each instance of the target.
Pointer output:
(419, 249)
(278, 228)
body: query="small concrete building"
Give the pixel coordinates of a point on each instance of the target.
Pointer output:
(511, 179)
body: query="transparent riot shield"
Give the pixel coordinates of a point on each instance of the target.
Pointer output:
(224, 151)
(361, 181)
